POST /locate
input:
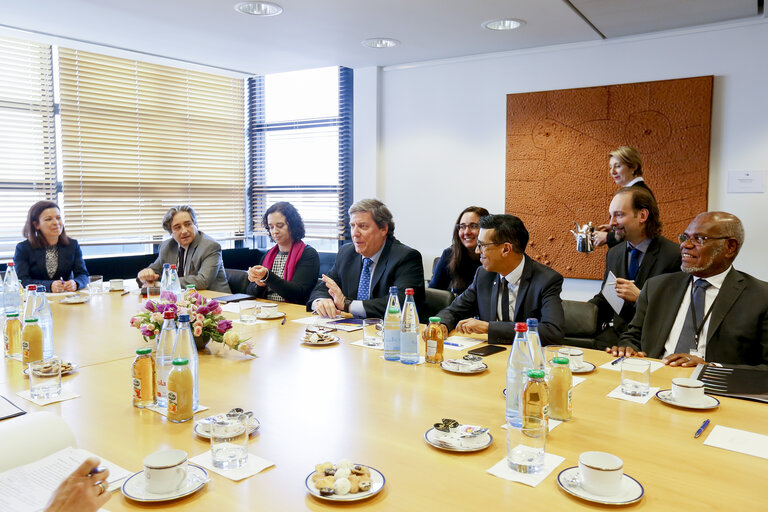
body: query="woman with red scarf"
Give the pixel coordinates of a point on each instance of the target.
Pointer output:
(290, 269)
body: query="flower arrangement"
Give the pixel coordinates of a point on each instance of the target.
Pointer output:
(204, 317)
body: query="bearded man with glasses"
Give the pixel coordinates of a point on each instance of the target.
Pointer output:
(708, 313)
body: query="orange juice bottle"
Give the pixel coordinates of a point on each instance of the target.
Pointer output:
(434, 341)
(13, 336)
(144, 378)
(180, 392)
(31, 341)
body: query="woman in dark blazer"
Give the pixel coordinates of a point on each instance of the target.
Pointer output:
(626, 168)
(458, 263)
(48, 256)
(290, 269)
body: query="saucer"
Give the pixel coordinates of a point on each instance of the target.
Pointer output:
(586, 367)
(377, 484)
(450, 365)
(631, 489)
(72, 368)
(75, 299)
(201, 430)
(134, 486)
(329, 340)
(279, 314)
(433, 437)
(709, 402)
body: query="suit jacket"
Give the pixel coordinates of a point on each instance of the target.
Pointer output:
(30, 265)
(296, 290)
(538, 296)
(398, 265)
(443, 275)
(203, 266)
(738, 324)
(662, 257)
(611, 238)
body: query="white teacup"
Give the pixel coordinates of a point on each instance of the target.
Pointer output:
(601, 473)
(269, 310)
(165, 471)
(575, 357)
(116, 284)
(687, 391)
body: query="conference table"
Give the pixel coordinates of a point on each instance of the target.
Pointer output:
(342, 401)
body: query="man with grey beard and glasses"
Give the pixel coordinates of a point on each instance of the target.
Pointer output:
(708, 313)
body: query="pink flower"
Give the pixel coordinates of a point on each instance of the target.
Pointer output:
(157, 331)
(223, 326)
(198, 330)
(217, 311)
(198, 324)
(200, 318)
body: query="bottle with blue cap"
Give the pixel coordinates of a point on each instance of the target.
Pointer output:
(392, 327)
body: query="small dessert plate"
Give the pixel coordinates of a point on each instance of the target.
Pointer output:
(135, 486)
(457, 444)
(377, 484)
(75, 299)
(66, 369)
(202, 427)
(631, 489)
(273, 316)
(709, 402)
(326, 340)
(585, 367)
(463, 366)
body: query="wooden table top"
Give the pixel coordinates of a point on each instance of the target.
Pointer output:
(318, 404)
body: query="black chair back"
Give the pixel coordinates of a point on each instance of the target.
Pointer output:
(436, 300)
(237, 279)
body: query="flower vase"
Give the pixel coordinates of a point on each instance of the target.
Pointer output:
(201, 341)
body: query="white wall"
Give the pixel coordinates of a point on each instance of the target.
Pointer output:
(441, 140)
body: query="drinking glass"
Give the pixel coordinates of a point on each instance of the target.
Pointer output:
(551, 352)
(229, 441)
(635, 377)
(247, 312)
(526, 445)
(373, 332)
(96, 285)
(45, 378)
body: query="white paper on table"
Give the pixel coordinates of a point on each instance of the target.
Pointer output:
(461, 342)
(359, 343)
(164, 410)
(254, 465)
(234, 307)
(737, 440)
(64, 395)
(609, 292)
(502, 470)
(617, 393)
(8, 409)
(655, 365)
(311, 320)
(575, 381)
(29, 487)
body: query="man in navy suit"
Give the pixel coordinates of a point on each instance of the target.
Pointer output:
(364, 270)
(640, 254)
(509, 287)
(709, 312)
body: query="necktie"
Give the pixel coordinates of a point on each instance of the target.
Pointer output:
(504, 291)
(180, 270)
(634, 263)
(364, 288)
(687, 339)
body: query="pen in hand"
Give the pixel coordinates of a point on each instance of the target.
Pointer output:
(702, 428)
(613, 283)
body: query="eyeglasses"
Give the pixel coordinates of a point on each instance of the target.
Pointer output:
(474, 226)
(483, 245)
(698, 239)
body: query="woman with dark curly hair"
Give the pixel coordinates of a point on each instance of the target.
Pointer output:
(290, 269)
(48, 257)
(456, 268)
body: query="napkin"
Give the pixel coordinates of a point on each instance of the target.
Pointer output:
(360, 343)
(64, 395)
(164, 410)
(461, 342)
(576, 381)
(655, 365)
(616, 393)
(254, 465)
(737, 440)
(502, 470)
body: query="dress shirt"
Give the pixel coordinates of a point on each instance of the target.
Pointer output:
(716, 283)
(513, 284)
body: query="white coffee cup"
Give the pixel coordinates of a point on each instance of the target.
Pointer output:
(116, 284)
(575, 357)
(165, 471)
(269, 310)
(601, 473)
(687, 391)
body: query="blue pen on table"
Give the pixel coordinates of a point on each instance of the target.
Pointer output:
(451, 344)
(618, 360)
(702, 428)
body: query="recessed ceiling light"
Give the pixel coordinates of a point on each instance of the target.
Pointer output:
(259, 8)
(504, 24)
(380, 42)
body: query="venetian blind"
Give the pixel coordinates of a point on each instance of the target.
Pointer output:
(300, 136)
(138, 138)
(27, 135)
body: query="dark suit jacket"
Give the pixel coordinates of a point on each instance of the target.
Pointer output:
(203, 266)
(738, 325)
(443, 275)
(662, 257)
(399, 265)
(611, 238)
(296, 290)
(30, 265)
(538, 296)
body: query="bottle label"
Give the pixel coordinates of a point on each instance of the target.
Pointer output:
(173, 403)
(431, 348)
(137, 388)
(25, 348)
(161, 384)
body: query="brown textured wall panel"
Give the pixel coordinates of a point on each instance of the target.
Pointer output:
(557, 159)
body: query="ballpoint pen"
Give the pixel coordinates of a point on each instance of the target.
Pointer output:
(618, 360)
(451, 344)
(702, 428)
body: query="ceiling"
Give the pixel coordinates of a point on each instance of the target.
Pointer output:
(317, 33)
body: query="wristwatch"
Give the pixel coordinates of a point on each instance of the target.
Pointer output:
(347, 303)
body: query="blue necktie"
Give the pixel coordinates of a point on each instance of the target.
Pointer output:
(687, 339)
(634, 263)
(364, 288)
